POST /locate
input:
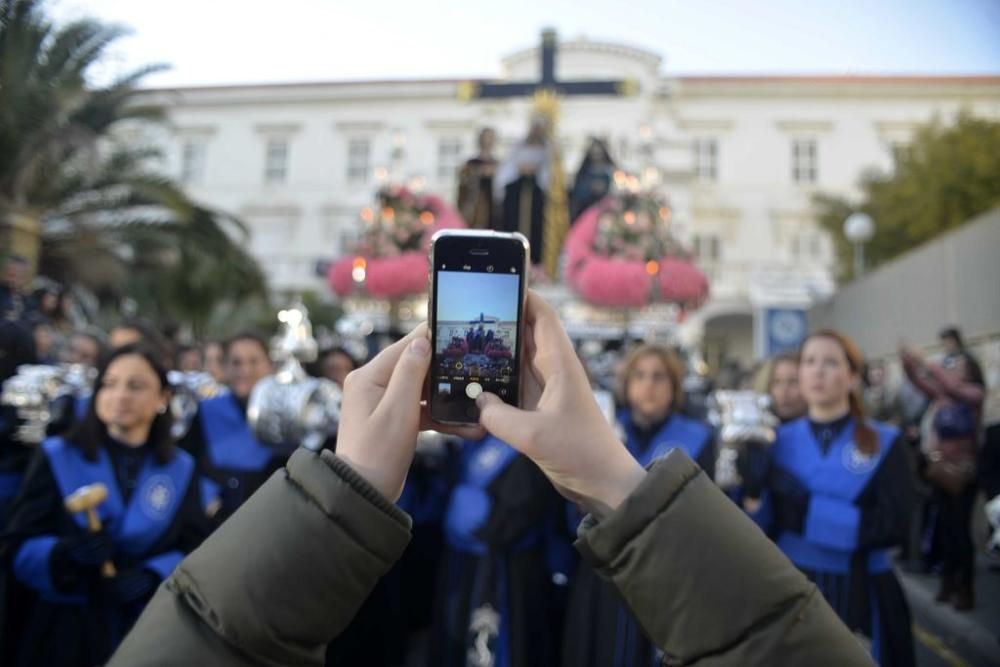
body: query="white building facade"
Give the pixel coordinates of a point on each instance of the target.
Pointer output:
(738, 157)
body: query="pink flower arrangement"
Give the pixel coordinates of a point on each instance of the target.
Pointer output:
(620, 247)
(389, 259)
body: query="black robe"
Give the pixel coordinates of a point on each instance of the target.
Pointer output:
(524, 197)
(66, 635)
(475, 194)
(885, 504)
(600, 630)
(234, 486)
(523, 534)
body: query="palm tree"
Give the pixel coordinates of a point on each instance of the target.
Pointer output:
(88, 207)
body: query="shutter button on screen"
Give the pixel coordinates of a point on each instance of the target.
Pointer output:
(473, 390)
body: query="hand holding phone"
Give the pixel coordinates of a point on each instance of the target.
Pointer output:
(478, 286)
(561, 427)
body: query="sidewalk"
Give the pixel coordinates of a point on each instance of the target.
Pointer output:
(956, 638)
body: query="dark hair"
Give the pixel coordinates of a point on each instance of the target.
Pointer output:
(342, 352)
(91, 433)
(184, 349)
(248, 336)
(864, 435)
(954, 334)
(17, 347)
(151, 338)
(791, 357)
(973, 371)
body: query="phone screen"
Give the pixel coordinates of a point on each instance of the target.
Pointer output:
(477, 302)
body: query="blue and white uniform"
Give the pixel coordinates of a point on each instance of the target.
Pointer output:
(835, 512)
(153, 517)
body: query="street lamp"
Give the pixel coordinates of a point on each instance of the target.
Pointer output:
(859, 228)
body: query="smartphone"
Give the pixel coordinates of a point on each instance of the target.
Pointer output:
(478, 288)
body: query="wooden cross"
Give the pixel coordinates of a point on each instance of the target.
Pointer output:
(546, 92)
(471, 90)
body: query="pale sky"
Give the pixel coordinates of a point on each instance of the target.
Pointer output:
(253, 41)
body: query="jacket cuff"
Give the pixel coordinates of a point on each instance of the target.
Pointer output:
(600, 540)
(697, 574)
(287, 572)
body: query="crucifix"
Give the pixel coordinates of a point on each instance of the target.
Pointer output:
(546, 93)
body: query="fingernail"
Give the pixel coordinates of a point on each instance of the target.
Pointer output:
(481, 401)
(420, 347)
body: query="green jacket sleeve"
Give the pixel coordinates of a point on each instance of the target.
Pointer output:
(706, 584)
(279, 579)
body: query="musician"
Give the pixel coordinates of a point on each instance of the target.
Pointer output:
(231, 459)
(838, 495)
(600, 631)
(76, 614)
(496, 597)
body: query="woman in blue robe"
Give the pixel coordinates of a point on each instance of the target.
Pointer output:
(232, 462)
(600, 631)
(78, 611)
(838, 496)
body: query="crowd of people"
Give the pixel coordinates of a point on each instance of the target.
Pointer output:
(100, 512)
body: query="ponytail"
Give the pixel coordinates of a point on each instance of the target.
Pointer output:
(865, 437)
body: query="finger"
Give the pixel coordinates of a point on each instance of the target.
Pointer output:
(553, 350)
(401, 400)
(463, 432)
(512, 425)
(380, 369)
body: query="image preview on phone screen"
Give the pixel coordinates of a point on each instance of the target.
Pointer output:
(476, 337)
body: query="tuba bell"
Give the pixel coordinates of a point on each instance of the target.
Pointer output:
(289, 408)
(44, 395)
(188, 389)
(741, 417)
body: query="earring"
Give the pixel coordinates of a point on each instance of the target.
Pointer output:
(162, 410)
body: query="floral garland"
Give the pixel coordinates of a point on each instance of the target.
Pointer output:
(620, 253)
(635, 227)
(389, 259)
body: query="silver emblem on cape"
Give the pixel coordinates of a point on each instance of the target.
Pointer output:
(856, 461)
(157, 497)
(484, 627)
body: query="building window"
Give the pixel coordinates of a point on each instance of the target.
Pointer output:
(805, 158)
(276, 161)
(807, 246)
(193, 161)
(359, 153)
(706, 160)
(449, 158)
(706, 248)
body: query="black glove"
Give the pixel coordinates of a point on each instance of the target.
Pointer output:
(753, 464)
(87, 550)
(790, 499)
(131, 585)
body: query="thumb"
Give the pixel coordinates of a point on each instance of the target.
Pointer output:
(407, 380)
(512, 425)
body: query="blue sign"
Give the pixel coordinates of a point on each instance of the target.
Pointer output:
(785, 330)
